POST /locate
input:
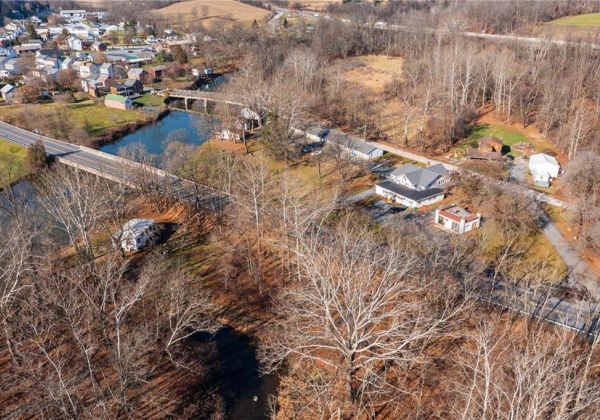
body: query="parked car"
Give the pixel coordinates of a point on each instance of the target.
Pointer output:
(510, 158)
(308, 148)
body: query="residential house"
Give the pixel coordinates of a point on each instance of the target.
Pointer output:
(73, 13)
(48, 58)
(107, 69)
(156, 71)
(129, 87)
(67, 63)
(413, 186)
(99, 46)
(75, 43)
(544, 168)
(88, 69)
(135, 234)
(489, 148)
(8, 93)
(456, 219)
(138, 74)
(13, 66)
(353, 146)
(8, 52)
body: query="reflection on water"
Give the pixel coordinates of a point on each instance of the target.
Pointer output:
(197, 127)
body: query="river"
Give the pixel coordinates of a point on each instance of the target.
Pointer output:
(197, 127)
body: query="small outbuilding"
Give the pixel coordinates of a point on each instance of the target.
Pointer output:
(118, 102)
(544, 168)
(456, 219)
(136, 234)
(8, 93)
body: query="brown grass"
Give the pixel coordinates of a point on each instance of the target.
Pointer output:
(222, 9)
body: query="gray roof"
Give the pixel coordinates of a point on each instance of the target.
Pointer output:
(7, 88)
(414, 195)
(421, 177)
(351, 142)
(130, 82)
(106, 66)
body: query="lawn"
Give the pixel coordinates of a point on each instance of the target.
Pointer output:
(12, 161)
(588, 20)
(508, 135)
(98, 117)
(85, 114)
(149, 100)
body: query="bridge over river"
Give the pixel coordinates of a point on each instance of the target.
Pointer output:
(117, 169)
(204, 96)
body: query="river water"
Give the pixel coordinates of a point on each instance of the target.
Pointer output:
(197, 128)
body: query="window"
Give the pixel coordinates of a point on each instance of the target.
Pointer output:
(455, 226)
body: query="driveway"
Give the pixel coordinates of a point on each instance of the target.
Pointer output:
(518, 170)
(579, 272)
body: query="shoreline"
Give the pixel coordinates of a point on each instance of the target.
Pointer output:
(118, 133)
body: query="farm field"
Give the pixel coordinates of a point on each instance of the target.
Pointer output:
(216, 9)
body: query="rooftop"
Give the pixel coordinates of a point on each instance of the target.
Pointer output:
(117, 98)
(410, 193)
(458, 214)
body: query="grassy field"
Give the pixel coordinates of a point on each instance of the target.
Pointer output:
(85, 114)
(12, 161)
(149, 100)
(99, 118)
(508, 135)
(216, 9)
(374, 71)
(590, 20)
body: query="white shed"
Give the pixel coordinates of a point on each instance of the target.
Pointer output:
(544, 168)
(136, 233)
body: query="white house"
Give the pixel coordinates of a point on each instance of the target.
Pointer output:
(420, 179)
(107, 69)
(456, 219)
(8, 93)
(135, 234)
(544, 168)
(75, 43)
(73, 13)
(67, 63)
(414, 187)
(87, 69)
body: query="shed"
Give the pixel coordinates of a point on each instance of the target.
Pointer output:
(118, 102)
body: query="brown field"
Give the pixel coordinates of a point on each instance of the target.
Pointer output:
(374, 71)
(216, 10)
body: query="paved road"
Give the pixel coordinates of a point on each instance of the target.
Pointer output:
(112, 167)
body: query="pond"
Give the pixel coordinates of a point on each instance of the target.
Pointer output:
(198, 129)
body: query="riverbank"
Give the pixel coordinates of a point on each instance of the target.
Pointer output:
(84, 122)
(120, 132)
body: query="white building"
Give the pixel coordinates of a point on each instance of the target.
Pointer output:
(73, 13)
(544, 168)
(135, 234)
(457, 219)
(353, 146)
(75, 43)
